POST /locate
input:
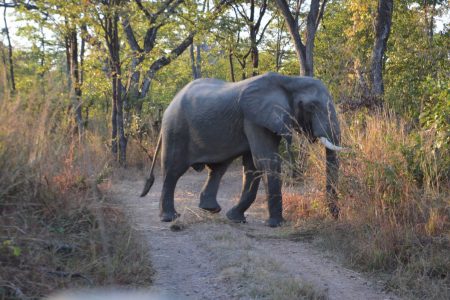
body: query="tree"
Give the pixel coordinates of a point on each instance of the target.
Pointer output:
(305, 51)
(156, 16)
(254, 27)
(107, 16)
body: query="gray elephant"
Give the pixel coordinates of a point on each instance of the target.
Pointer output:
(211, 122)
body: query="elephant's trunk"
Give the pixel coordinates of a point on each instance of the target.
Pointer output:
(332, 169)
(326, 127)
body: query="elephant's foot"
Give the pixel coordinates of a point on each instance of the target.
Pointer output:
(169, 216)
(275, 222)
(236, 216)
(210, 205)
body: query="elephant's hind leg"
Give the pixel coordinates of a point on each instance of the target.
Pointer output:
(166, 204)
(208, 196)
(250, 186)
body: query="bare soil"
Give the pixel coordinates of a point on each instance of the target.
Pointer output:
(208, 257)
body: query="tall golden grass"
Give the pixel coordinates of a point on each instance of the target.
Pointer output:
(395, 205)
(56, 228)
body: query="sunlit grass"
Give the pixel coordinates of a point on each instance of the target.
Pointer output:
(392, 219)
(56, 229)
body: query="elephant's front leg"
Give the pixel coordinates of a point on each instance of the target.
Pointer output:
(250, 186)
(208, 196)
(264, 146)
(274, 199)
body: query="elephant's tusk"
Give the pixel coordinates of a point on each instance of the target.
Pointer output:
(330, 145)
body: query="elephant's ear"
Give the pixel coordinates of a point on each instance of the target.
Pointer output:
(266, 104)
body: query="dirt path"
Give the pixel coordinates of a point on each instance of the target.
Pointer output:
(212, 258)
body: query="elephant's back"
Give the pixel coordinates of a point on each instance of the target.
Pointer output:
(207, 115)
(204, 98)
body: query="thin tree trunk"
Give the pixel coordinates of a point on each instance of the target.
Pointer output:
(199, 61)
(254, 51)
(117, 85)
(230, 59)
(42, 63)
(278, 54)
(195, 61)
(5, 65)
(244, 73)
(75, 79)
(194, 68)
(382, 31)
(10, 54)
(82, 52)
(133, 87)
(114, 116)
(68, 63)
(120, 120)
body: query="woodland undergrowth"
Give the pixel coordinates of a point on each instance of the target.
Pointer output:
(56, 228)
(395, 203)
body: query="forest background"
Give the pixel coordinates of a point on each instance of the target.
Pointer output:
(83, 92)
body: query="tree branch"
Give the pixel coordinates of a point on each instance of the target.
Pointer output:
(262, 11)
(264, 30)
(144, 10)
(131, 38)
(320, 16)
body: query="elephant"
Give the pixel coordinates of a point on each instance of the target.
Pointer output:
(211, 122)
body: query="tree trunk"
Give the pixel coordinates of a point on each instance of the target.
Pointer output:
(82, 52)
(117, 89)
(305, 52)
(119, 140)
(279, 53)
(195, 61)
(10, 54)
(244, 72)
(120, 121)
(199, 61)
(230, 60)
(194, 67)
(5, 65)
(382, 30)
(68, 63)
(114, 117)
(310, 37)
(75, 91)
(254, 54)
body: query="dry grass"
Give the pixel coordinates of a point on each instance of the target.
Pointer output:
(395, 205)
(56, 229)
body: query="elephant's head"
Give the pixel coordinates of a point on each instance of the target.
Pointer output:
(282, 103)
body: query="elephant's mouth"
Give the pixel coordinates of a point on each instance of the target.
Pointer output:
(307, 131)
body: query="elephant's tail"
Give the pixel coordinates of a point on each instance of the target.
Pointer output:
(151, 177)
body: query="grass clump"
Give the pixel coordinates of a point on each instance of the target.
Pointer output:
(56, 229)
(394, 200)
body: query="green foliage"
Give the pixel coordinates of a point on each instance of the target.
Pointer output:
(435, 115)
